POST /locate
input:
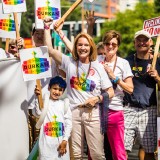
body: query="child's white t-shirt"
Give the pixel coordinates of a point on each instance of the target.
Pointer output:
(56, 127)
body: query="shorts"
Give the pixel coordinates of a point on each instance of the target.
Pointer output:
(141, 123)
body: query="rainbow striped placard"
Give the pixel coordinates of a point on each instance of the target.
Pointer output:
(7, 24)
(35, 63)
(35, 66)
(42, 12)
(10, 6)
(47, 8)
(13, 2)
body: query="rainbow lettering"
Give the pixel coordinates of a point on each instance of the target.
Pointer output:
(82, 84)
(7, 25)
(35, 65)
(13, 2)
(54, 129)
(42, 12)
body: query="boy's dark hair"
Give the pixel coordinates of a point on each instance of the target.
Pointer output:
(58, 80)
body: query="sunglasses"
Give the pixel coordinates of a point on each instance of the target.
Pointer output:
(113, 44)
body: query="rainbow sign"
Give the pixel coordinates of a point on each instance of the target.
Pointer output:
(82, 83)
(35, 65)
(42, 12)
(13, 2)
(7, 24)
(54, 129)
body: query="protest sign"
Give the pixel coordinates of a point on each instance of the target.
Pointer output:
(35, 63)
(44, 9)
(152, 26)
(7, 24)
(10, 6)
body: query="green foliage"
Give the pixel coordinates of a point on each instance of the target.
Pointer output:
(157, 5)
(29, 17)
(128, 23)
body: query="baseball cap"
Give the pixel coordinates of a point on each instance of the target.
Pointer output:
(142, 32)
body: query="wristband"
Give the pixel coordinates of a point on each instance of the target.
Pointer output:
(46, 27)
(115, 80)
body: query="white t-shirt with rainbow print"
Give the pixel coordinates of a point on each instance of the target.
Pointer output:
(81, 88)
(56, 127)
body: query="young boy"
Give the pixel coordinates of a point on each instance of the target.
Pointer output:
(57, 124)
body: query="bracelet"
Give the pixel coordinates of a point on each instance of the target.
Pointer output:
(115, 80)
(46, 27)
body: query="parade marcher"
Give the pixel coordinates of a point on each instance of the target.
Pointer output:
(100, 49)
(14, 45)
(38, 40)
(85, 78)
(57, 123)
(120, 74)
(140, 107)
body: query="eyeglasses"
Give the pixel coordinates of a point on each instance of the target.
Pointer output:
(114, 45)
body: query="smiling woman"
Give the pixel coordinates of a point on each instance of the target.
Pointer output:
(85, 79)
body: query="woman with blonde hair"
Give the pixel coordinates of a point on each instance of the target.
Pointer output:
(85, 80)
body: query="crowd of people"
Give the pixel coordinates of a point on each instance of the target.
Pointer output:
(112, 100)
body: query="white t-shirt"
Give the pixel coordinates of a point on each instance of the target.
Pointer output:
(56, 127)
(122, 70)
(80, 90)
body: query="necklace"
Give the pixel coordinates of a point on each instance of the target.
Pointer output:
(137, 68)
(83, 80)
(115, 62)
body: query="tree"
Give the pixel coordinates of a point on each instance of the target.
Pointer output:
(157, 5)
(128, 23)
(28, 18)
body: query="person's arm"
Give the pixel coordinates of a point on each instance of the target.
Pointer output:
(153, 73)
(126, 85)
(55, 54)
(64, 38)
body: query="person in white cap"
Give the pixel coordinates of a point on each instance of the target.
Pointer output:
(140, 107)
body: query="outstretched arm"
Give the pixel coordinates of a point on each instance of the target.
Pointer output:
(55, 54)
(63, 37)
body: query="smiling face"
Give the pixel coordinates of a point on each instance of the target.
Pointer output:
(111, 48)
(55, 91)
(83, 49)
(142, 44)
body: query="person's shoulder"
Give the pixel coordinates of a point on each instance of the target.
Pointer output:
(130, 57)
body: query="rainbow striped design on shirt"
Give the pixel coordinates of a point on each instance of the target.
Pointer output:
(7, 24)
(13, 2)
(35, 65)
(82, 84)
(42, 12)
(54, 129)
